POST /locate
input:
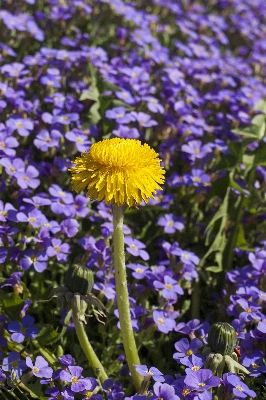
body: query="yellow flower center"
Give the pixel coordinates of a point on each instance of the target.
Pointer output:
(120, 171)
(189, 352)
(57, 249)
(195, 368)
(168, 286)
(196, 179)
(88, 394)
(139, 270)
(35, 369)
(160, 321)
(2, 144)
(201, 384)
(239, 388)
(74, 379)
(32, 219)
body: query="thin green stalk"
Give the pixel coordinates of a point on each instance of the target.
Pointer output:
(94, 361)
(122, 297)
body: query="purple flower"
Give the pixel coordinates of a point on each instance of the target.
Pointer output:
(81, 206)
(73, 376)
(45, 140)
(126, 132)
(239, 388)
(35, 218)
(14, 69)
(126, 97)
(22, 125)
(65, 119)
(82, 142)
(58, 249)
(163, 391)
(13, 280)
(38, 260)
(41, 368)
(201, 380)
(119, 114)
(66, 360)
(13, 364)
(7, 144)
(194, 362)
(12, 167)
(154, 372)
(139, 270)
(197, 178)
(4, 208)
(153, 104)
(251, 311)
(196, 149)
(170, 288)
(143, 119)
(135, 247)
(189, 327)
(170, 223)
(186, 257)
(25, 329)
(27, 178)
(164, 323)
(70, 227)
(66, 394)
(186, 349)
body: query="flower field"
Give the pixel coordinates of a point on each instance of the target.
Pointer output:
(132, 199)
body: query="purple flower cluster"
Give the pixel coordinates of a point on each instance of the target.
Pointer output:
(184, 77)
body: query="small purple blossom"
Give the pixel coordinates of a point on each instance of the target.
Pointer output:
(163, 391)
(58, 249)
(170, 223)
(164, 323)
(74, 376)
(40, 368)
(135, 246)
(20, 331)
(153, 372)
(201, 380)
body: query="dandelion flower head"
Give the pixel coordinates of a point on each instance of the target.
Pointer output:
(120, 171)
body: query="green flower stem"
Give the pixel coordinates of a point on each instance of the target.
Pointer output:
(94, 361)
(122, 297)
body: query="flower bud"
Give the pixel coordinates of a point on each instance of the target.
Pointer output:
(222, 338)
(79, 279)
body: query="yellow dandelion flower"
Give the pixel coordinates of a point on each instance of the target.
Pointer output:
(120, 171)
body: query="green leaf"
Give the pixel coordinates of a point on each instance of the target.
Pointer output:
(94, 114)
(12, 304)
(235, 185)
(261, 105)
(92, 94)
(47, 335)
(240, 240)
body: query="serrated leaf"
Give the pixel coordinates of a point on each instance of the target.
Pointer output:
(261, 105)
(94, 114)
(92, 94)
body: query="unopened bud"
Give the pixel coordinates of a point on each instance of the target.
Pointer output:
(79, 279)
(222, 338)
